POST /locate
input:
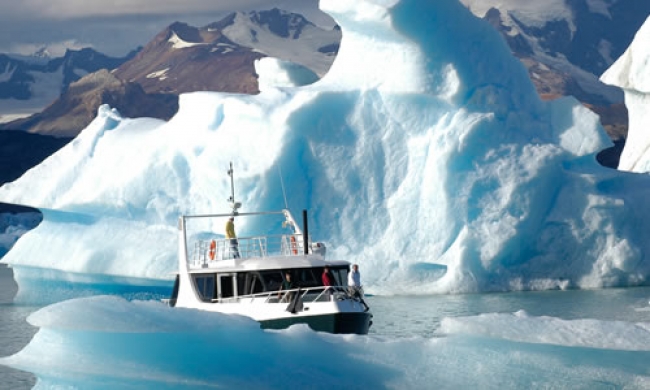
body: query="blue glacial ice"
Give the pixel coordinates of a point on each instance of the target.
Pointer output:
(630, 72)
(107, 343)
(424, 155)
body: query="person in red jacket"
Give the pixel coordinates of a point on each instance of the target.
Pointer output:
(328, 280)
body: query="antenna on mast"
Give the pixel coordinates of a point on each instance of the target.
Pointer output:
(234, 205)
(284, 193)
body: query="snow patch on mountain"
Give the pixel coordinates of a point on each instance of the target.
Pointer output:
(7, 72)
(600, 7)
(45, 89)
(302, 48)
(161, 74)
(530, 13)
(178, 43)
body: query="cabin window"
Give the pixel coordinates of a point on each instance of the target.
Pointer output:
(273, 280)
(307, 278)
(205, 287)
(253, 284)
(241, 284)
(226, 286)
(341, 276)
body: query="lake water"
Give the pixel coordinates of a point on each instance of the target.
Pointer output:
(394, 317)
(15, 332)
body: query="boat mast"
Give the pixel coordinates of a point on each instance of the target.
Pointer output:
(234, 205)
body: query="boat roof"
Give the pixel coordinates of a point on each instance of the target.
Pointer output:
(268, 263)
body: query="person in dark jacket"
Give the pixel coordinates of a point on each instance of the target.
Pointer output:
(287, 285)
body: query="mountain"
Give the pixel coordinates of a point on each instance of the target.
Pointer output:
(77, 107)
(567, 45)
(28, 84)
(284, 35)
(220, 56)
(183, 58)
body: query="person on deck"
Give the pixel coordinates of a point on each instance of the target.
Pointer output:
(328, 280)
(287, 285)
(230, 234)
(354, 285)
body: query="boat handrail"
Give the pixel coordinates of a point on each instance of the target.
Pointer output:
(237, 214)
(204, 252)
(272, 296)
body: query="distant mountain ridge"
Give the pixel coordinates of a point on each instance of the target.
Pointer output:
(182, 58)
(77, 107)
(220, 56)
(29, 84)
(569, 44)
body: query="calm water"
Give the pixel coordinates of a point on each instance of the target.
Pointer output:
(421, 316)
(15, 332)
(394, 317)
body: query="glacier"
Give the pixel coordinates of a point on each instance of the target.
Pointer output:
(424, 154)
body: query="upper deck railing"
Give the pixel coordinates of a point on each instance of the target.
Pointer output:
(204, 252)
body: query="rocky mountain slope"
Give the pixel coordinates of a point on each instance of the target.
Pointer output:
(567, 44)
(77, 107)
(220, 56)
(183, 58)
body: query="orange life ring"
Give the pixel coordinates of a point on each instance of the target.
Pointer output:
(213, 249)
(294, 247)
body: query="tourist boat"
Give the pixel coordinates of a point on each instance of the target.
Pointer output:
(216, 275)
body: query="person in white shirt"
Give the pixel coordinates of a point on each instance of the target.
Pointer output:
(354, 285)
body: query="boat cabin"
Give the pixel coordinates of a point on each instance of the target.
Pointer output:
(230, 286)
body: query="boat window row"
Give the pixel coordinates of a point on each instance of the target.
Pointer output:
(217, 286)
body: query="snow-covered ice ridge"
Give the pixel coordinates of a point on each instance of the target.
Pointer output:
(632, 73)
(425, 144)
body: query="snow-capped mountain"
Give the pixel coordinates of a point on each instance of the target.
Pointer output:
(183, 58)
(29, 84)
(220, 56)
(284, 35)
(567, 44)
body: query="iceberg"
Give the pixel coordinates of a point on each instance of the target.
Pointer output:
(424, 155)
(107, 343)
(631, 73)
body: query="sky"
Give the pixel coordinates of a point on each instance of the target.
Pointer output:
(118, 26)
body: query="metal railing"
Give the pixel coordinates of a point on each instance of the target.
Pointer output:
(205, 251)
(307, 295)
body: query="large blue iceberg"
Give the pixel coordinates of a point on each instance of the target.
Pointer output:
(424, 155)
